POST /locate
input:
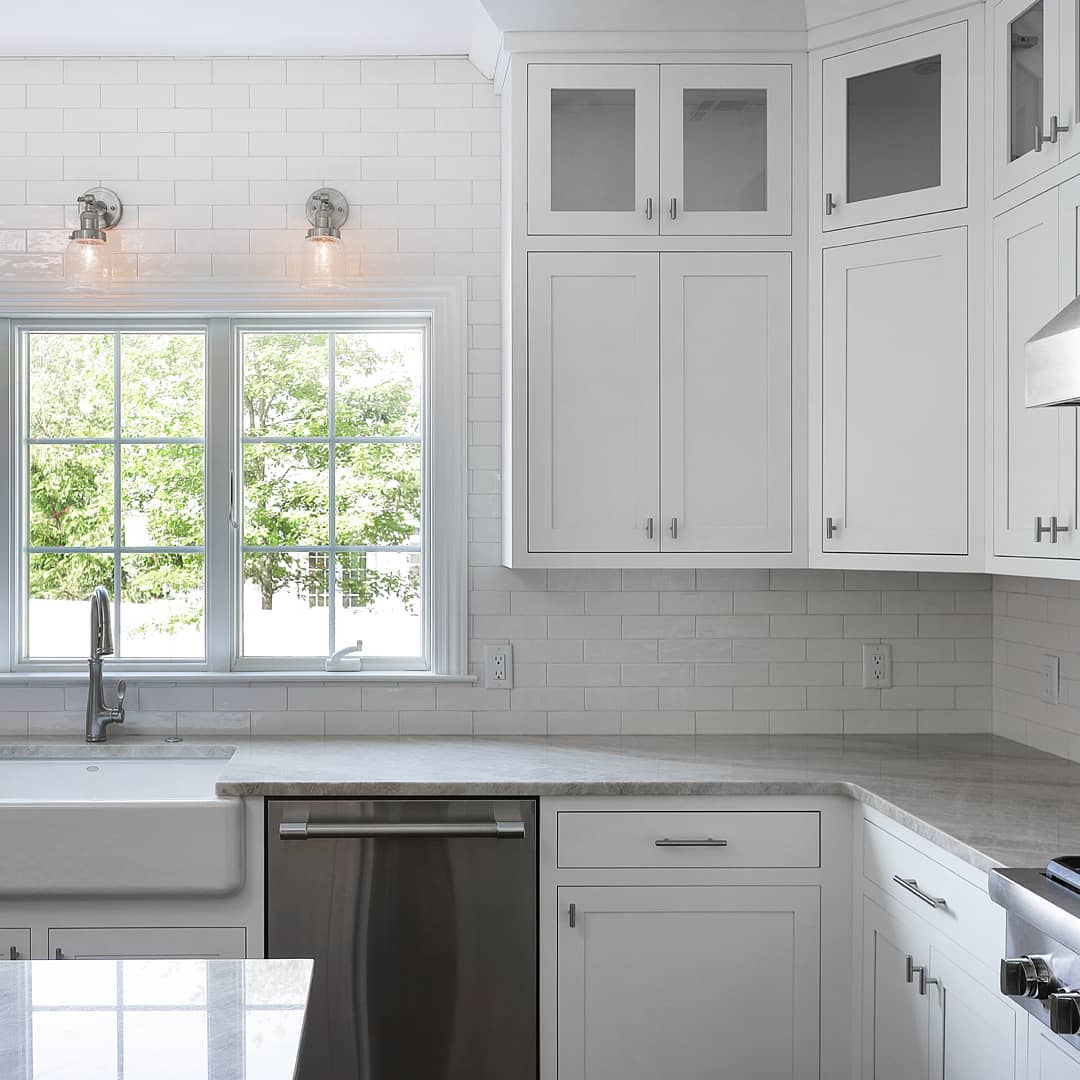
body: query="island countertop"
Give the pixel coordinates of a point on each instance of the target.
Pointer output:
(987, 800)
(229, 1019)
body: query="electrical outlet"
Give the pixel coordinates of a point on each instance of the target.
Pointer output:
(499, 667)
(1050, 669)
(876, 665)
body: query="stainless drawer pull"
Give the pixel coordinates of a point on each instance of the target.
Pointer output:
(707, 842)
(13, 954)
(912, 886)
(348, 830)
(573, 916)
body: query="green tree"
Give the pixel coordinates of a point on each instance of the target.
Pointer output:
(286, 497)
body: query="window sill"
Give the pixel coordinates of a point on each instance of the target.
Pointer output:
(65, 678)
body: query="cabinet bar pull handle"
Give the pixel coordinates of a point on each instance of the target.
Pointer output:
(60, 953)
(912, 886)
(1040, 138)
(673, 208)
(13, 954)
(573, 916)
(910, 969)
(648, 208)
(348, 830)
(1040, 530)
(649, 528)
(1055, 528)
(831, 528)
(707, 842)
(674, 528)
(830, 204)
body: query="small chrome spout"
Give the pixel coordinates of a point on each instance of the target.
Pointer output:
(98, 714)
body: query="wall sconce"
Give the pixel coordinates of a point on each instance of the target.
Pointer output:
(323, 265)
(88, 261)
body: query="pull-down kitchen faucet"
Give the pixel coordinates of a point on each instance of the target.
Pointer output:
(98, 714)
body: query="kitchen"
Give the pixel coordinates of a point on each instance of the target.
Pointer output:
(537, 542)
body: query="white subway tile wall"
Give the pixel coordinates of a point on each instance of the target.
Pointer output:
(1033, 618)
(214, 159)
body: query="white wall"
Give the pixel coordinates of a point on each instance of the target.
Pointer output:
(214, 159)
(1034, 617)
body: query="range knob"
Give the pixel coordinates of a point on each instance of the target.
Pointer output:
(1065, 1013)
(1028, 976)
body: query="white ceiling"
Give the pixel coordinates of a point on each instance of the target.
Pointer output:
(236, 27)
(366, 27)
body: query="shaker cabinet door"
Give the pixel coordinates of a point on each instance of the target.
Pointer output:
(725, 393)
(894, 129)
(593, 149)
(895, 396)
(725, 149)
(1034, 449)
(593, 412)
(688, 982)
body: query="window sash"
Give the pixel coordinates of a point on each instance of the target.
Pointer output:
(223, 542)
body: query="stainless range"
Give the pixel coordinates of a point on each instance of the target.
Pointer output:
(1041, 969)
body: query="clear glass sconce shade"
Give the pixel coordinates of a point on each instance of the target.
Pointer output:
(88, 265)
(323, 263)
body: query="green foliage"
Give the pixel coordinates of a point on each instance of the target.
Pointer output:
(286, 395)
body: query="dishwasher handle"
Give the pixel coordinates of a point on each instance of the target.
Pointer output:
(367, 830)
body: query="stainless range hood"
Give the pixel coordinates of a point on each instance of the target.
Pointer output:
(1052, 360)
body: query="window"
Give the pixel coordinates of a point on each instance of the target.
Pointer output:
(255, 494)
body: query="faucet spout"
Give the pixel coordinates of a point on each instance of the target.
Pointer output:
(98, 714)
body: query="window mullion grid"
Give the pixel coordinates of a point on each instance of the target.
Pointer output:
(332, 458)
(118, 614)
(222, 463)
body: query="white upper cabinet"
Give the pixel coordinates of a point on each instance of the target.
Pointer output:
(1034, 449)
(894, 129)
(593, 154)
(650, 149)
(725, 392)
(725, 148)
(1035, 88)
(895, 402)
(593, 402)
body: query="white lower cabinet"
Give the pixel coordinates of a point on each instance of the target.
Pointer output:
(895, 397)
(925, 1016)
(1048, 1057)
(15, 944)
(172, 942)
(895, 1016)
(688, 982)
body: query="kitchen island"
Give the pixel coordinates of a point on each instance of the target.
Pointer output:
(165, 1019)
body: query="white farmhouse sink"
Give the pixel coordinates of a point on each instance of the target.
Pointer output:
(117, 821)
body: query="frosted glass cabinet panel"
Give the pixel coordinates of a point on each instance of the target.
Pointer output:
(725, 148)
(1035, 88)
(593, 149)
(894, 129)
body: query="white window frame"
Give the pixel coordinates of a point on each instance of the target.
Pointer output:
(225, 311)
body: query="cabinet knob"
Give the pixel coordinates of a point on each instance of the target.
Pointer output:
(1026, 976)
(1065, 1013)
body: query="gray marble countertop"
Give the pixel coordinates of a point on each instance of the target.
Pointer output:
(987, 800)
(114, 1018)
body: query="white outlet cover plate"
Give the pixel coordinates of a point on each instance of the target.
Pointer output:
(499, 667)
(877, 665)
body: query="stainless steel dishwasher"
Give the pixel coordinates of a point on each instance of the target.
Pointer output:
(421, 918)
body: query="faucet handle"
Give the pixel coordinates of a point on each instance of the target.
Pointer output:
(121, 693)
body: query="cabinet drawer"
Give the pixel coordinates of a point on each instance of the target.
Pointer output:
(685, 839)
(968, 915)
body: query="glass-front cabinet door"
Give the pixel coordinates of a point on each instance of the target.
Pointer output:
(1035, 88)
(725, 148)
(594, 133)
(894, 129)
